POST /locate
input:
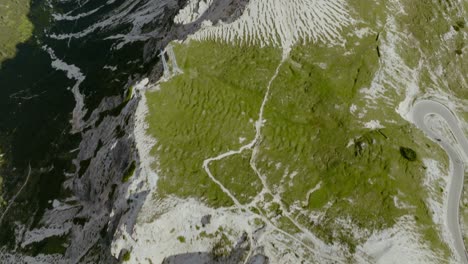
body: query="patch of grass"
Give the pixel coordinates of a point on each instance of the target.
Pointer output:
(311, 136)
(130, 171)
(437, 29)
(204, 234)
(181, 239)
(14, 26)
(430, 23)
(203, 113)
(129, 94)
(222, 248)
(309, 103)
(236, 173)
(275, 209)
(126, 256)
(408, 154)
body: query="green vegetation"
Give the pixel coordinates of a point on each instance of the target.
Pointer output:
(204, 234)
(431, 24)
(310, 137)
(130, 171)
(222, 248)
(438, 28)
(129, 94)
(408, 154)
(14, 29)
(126, 256)
(203, 113)
(316, 139)
(181, 239)
(14, 26)
(235, 172)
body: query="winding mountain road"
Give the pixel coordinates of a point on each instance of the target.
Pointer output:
(421, 110)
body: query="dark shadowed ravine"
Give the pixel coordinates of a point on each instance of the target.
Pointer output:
(66, 114)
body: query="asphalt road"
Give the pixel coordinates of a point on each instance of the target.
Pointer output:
(457, 154)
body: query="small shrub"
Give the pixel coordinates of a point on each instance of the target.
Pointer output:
(408, 153)
(129, 173)
(126, 256)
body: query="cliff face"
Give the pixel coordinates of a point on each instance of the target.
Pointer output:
(78, 224)
(107, 159)
(105, 162)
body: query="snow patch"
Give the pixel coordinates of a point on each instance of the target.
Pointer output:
(283, 23)
(109, 67)
(163, 221)
(362, 32)
(68, 17)
(352, 108)
(133, 13)
(394, 76)
(73, 73)
(192, 11)
(399, 244)
(373, 124)
(144, 142)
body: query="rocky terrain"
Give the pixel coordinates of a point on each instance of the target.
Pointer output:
(237, 131)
